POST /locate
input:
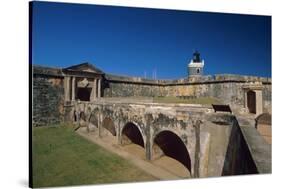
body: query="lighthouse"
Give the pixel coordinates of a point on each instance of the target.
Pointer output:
(196, 65)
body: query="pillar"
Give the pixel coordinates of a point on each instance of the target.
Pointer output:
(94, 90)
(119, 133)
(245, 99)
(259, 107)
(100, 118)
(99, 88)
(73, 89)
(148, 144)
(66, 88)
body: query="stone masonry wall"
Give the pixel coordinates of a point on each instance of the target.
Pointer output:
(238, 150)
(47, 100)
(130, 89)
(230, 92)
(48, 90)
(238, 158)
(266, 93)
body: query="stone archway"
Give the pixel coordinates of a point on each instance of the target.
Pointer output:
(132, 140)
(169, 145)
(82, 116)
(93, 120)
(131, 134)
(251, 101)
(108, 127)
(75, 116)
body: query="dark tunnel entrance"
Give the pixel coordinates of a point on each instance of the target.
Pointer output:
(84, 94)
(108, 125)
(131, 134)
(172, 146)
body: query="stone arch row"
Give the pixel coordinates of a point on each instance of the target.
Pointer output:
(164, 142)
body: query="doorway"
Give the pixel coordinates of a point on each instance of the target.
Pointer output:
(251, 101)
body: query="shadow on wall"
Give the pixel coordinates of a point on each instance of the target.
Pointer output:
(238, 160)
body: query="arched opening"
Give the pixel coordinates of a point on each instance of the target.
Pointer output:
(108, 126)
(82, 116)
(198, 70)
(82, 119)
(263, 125)
(167, 143)
(93, 120)
(74, 116)
(83, 94)
(132, 140)
(131, 134)
(251, 101)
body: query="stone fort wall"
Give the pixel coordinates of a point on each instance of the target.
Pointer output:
(47, 97)
(48, 90)
(226, 87)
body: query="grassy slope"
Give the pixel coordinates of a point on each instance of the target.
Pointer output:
(61, 157)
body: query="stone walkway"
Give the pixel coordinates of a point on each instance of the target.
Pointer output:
(146, 166)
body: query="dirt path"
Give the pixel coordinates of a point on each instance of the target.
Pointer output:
(138, 159)
(172, 166)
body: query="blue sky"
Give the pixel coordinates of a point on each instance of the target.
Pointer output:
(134, 41)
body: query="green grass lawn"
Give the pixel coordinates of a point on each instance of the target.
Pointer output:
(199, 100)
(62, 157)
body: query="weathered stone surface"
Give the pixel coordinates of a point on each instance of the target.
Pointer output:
(228, 88)
(216, 147)
(47, 101)
(259, 149)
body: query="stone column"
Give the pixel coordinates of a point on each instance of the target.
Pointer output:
(99, 88)
(259, 108)
(245, 99)
(94, 90)
(148, 145)
(73, 89)
(66, 88)
(100, 117)
(119, 134)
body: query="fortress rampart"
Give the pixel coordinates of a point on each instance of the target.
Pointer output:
(49, 89)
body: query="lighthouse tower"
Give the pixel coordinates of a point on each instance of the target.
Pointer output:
(196, 65)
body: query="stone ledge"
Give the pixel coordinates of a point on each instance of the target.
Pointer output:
(48, 71)
(223, 78)
(260, 150)
(208, 79)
